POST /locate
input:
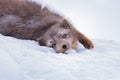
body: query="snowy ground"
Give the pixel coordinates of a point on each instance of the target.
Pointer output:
(26, 60)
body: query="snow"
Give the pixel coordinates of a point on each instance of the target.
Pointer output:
(26, 60)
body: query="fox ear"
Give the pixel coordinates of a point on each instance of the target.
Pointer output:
(65, 24)
(41, 41)
(87, 43)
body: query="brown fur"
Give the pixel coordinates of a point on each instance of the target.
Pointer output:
(28, 20)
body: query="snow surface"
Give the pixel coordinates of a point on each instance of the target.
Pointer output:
(26, 60)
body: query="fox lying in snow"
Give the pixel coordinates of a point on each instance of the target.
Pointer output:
(28, 20)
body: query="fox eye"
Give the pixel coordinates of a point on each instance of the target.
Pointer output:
(65, 36)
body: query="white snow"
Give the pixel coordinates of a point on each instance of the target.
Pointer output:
(26, 60)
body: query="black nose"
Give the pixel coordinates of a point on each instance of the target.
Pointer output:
(64, 46)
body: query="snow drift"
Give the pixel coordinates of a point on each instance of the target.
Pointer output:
(26, 60)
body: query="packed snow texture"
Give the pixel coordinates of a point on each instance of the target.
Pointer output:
(26, 60)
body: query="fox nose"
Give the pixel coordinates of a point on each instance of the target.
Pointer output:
(64, 46)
